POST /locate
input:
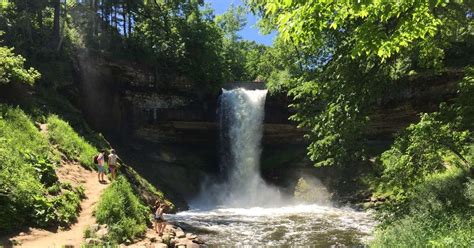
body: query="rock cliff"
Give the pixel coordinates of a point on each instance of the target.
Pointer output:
(170, 130)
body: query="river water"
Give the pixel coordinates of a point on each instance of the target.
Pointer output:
(241, 209)
(301, 225)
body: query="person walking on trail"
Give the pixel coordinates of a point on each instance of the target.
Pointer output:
(112, 162)
(100, 160)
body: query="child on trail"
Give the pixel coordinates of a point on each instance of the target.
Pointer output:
(100, 166)
(160, 223)
(112, 162)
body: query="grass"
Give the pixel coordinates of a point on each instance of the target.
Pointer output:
(69, 142)
(30, 193)
(122, 211)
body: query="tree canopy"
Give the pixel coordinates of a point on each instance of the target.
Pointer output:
(351, 53)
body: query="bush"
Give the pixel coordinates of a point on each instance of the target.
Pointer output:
(122, 211)
(69, 142)
(12, 68)
(438, 215)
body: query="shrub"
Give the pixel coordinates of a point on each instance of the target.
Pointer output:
(437, 214)
(12, 68)
(122, 211)
(69, 142)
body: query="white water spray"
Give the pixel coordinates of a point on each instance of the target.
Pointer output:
(241, 127)
(241, 114)
(243, 210)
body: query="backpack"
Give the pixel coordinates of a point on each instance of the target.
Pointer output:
(96, 161)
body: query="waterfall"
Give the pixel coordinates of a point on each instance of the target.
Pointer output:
(241, 115)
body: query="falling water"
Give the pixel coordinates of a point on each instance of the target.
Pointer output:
(241, 125)
(242, 210)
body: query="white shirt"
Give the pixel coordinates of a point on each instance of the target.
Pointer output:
(113, 159)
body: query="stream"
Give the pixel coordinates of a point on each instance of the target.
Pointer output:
(301, 225)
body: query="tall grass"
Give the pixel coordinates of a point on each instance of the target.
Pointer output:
(122, 210)
(69, 142)
(27, 176)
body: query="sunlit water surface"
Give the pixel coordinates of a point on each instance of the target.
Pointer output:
(302, 225)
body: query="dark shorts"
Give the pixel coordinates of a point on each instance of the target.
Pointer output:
(100, 168)
(159, 219)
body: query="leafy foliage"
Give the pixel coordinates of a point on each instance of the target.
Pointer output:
(12, 68)
(125, 215)
(69, 142)
(27, 176)
(421, 151)
(350, 54)
(437, 214)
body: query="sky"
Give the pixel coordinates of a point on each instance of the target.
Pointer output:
(250, 32)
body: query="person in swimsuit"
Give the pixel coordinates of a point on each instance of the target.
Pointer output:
(159, 220)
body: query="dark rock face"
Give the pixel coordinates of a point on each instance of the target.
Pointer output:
(170, 135)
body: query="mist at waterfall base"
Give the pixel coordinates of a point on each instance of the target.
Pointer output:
(241, 114)
(242, 209)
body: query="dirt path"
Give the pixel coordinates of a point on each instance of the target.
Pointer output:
(76, 175)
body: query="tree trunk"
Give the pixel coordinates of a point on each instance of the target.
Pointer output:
(124, 20)
(40, 19)
(56, 18)
(129, 21)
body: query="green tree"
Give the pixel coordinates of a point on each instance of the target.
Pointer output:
(12, 68)
(351, 54)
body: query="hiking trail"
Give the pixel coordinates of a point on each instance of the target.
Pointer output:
(77, 175)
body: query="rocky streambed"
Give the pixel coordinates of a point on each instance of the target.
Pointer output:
(173, 236)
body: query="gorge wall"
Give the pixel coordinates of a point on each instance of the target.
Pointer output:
(169, 133)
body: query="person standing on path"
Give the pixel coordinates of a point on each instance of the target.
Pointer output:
(100, 166)
(160, 222)
(112, 162)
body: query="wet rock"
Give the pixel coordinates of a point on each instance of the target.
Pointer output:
(190, 236)
(192, 245)
(198, 241)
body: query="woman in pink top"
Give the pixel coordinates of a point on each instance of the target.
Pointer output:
(100, 166)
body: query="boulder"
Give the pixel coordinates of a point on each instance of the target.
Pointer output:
(94, 227)
(180, 234)
(190, 236)
(93, 241)
(198, 241)
(161, 245)
(103, 232)
(166, 238)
